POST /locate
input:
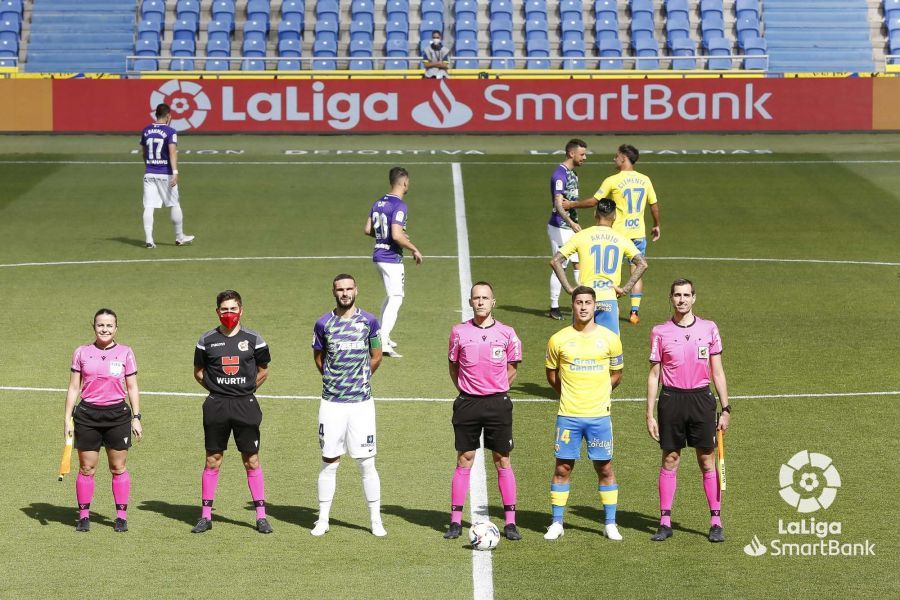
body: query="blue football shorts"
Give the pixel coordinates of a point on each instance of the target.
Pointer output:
(595, 431)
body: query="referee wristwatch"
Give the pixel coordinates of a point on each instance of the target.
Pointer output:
(138, 416)
(726, 409)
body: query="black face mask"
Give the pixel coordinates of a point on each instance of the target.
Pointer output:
(436, 44)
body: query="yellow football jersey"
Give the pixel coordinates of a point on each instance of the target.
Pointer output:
(632, 192)
(600, 251)
(584, 362)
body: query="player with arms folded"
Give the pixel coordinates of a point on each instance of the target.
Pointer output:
(685, 353)
(584, 365)
(603, 249)
(632, 192)
(159, 143)
(484, 357)
(231, 363)
(347, 351)
(387, 224)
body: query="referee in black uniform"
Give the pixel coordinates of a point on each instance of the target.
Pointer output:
(231, 362)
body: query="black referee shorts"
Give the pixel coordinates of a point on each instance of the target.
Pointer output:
(223, 415)
(97, 426)
(491, 414)
(686, 417)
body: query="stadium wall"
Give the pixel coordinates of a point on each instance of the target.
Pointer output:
(466, 106)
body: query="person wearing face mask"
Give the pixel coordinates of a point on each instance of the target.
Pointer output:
(103, 372)
(435, 58)
(231, 363)
(159, 145)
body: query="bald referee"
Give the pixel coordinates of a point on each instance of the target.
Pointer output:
(685, 353)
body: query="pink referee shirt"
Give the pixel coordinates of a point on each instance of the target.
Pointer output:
(482, 355)
(103, 372)
(683, 352)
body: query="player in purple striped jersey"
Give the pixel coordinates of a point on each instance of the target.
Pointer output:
(564, 223)
(159, 143)
(347, 350)
(387, 224)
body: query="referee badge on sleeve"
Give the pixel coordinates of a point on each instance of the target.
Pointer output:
(703, 352)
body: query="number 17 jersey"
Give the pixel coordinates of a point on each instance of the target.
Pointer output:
(155, 140)
(385, 212)
(632, 192)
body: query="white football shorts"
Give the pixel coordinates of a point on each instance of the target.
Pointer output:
(347, 427)
(393, 275)
(158, 192)
(559, 236)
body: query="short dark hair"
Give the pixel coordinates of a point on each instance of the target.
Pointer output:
(573, 144)
(681, 281)
(436, 32)
(162, 110)
(228, 295)
(340, 276)
(605, 208)
(396, 174)
(484, 283)
(583, 289)
(106, 311)
(630, 152)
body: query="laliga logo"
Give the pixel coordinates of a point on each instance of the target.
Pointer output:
(180, 95)
(816, 478)
(443, 111)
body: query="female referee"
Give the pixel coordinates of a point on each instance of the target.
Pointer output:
(102, 371)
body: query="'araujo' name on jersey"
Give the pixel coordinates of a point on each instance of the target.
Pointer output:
(346, 343)
(155, 140)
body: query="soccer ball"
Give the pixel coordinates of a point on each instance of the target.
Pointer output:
(484, 535)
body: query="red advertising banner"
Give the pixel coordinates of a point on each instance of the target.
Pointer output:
(472, 106)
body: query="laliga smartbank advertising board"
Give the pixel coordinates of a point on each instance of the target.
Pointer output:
(486, 106)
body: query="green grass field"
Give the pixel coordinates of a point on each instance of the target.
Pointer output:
(811, 352)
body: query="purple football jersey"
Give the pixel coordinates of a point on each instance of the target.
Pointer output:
(385, 212)
(155, 140)
(563, 181)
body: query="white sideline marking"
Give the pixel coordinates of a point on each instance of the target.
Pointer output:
(14, 388)
(482, 566)
(542, 160)
(437, 257)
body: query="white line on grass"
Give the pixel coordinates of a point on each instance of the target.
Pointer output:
(125, 261)
(543, 160)
(15, 388)
(482, 567)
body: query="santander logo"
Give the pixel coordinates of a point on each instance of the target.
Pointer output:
(443, 111)
(188, 102)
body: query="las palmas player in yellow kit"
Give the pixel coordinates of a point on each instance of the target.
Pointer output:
(601, 250)
(584, 364)
(632, 192)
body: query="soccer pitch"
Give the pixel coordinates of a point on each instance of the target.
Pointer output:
(791, 241)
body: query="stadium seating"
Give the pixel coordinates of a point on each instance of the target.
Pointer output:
(683, 53)
(642, 6)
(538, 48)
(606, 29)
(754, 52)
(573, 54)
(500, 9)
(719, 50)
(502, 51)
(610, 51)
(534, 9)
(466, 50)
(536, 28)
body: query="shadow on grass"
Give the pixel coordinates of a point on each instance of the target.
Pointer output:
(187, 513)
(526, 310)
(127, 241)
(631, 520)
(302, 516)
(533, 390)
(431, 519)
(45, 514)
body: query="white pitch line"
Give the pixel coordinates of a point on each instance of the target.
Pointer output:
(540, 161)
(128, 261)
(482, 564)
(14, 388)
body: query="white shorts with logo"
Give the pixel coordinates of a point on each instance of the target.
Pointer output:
(393, 275)
(347, 427)
(158, 192)
(558, 237)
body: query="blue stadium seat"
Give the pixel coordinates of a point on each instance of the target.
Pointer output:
(253, 48)
(289, 65)
(683, 53)
(754, 51)
(151, 7)
(572, 29)
(676, 6)
(327, 29)
(500, 9)
(141, 64)
(470, 25)
(641, 27)
(184, 47)
(362, 7)
(711, 8)
(537, 49)
(147, 28)
(253, 65)
(501, 29)
(642, 6)
(187, 7)
(256, 7)
(605, 29)
(256, 30)
(467, 47)
(747, 27)
(464, 6)
(748, 8)
(610, 52)
(219, 28)
(894, 42)
(429, 25)
(718, 49)
(328, 7)
(184, 29)
(362, 28)
(396, 47)
(290, 49)
(648, 54)
(466, 34)
(181, 64)
(218, 48)
(14, 6)
(142, 47)
(223, 10)
(289, 29)
(573, 54)
(712, 27)
(536, 28)
(502, 51)
(292, 6)
(218, 65)
(569, 8)
(427, 6)
(361, 48)
(397, 9)
(534, 8)
(397, 29)
(677, 28)
(893, 24)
